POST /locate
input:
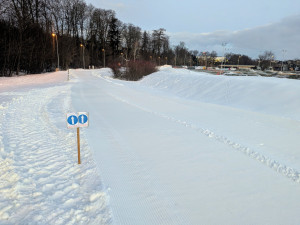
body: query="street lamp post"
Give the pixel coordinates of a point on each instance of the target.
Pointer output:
(271, 60)
(204, 53)
(175, 59)
(283, 53)
(224, 48)
(121, 58)
(103, 50)
(239, 60)
(81, 45)
(54, 35)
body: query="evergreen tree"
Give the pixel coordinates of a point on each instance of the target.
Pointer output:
(114, 36)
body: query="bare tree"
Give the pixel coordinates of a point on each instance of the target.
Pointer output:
(182, 54)
(158, 39)
(265, 59)
(132, 36)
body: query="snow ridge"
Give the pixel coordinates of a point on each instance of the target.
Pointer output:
(271, 163)
(249, 93)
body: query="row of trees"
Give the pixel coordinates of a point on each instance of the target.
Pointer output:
(37, 35)
(264, 61)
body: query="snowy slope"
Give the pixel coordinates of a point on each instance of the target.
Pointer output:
(177, 147)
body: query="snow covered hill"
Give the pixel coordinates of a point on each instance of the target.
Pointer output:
(177, 147)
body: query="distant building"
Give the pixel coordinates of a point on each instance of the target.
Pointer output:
(216, 59)
(220, 59)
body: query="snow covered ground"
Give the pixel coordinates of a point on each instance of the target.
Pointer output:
(177, 147)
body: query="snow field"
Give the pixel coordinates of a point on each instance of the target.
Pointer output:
(41, 182)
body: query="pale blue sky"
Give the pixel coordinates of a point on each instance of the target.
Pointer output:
(217, 21)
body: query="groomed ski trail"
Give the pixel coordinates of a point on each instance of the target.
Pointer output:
(40, 181)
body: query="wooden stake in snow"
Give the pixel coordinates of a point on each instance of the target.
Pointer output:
(77, 120)
(78, 145)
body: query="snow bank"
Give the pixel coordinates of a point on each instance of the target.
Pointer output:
(260, 94)
(14, 83)
(104, 72)
(164, 67)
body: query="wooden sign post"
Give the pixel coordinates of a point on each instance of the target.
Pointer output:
(78, 145)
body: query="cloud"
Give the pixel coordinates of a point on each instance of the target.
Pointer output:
(284, 34)
(111, 4)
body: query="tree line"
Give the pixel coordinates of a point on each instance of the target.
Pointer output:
(37, 35)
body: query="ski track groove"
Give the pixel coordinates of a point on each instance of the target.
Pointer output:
(271, 163)
(140, 172)
(41, 182)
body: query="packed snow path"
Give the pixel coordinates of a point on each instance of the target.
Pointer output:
(40, 181)
(169, 160)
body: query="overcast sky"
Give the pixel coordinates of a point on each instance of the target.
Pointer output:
(247, 26)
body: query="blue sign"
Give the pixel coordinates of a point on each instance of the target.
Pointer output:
(82, 118)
